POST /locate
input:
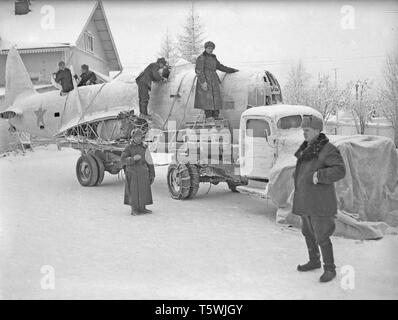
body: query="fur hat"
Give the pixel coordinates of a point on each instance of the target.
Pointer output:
(312, 122)
(162, 61)
(210, 44)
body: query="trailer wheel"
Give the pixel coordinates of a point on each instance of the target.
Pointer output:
(178, 181)
(195, 180)
(87, 171)
(101, 169)
(232, 186)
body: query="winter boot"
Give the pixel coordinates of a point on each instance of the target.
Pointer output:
(134, 211)
(145, 210)
(328, 262)
(310, 265)
(327, 275)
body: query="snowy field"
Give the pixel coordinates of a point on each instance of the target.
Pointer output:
(219, 245)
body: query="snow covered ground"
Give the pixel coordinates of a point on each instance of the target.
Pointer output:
(219, 245)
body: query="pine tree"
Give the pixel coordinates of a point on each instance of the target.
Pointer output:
(190, 42)
(168, 49)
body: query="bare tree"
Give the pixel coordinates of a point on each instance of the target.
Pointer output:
(327, 98)
(168, 49)
(362, 104)
(191, 40)
(389, 93)
(296, 90)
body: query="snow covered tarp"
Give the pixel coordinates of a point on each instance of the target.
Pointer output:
(367, 196)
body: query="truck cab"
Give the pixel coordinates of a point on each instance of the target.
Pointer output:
(262, 131)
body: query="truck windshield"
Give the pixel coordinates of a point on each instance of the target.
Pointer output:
(289, 122)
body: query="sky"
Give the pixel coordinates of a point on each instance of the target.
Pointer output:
(346, 39)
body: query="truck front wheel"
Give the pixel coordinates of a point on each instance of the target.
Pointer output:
(179, 181)
(195, 180)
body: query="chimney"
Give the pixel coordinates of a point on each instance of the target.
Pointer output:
(22, 7)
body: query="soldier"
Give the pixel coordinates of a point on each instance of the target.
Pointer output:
(140, 174)
(208, 95)
(319, 165)
(87, 77)
(151, 73)
(64, 77)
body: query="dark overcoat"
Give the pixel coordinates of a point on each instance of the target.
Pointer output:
(206, 66)
(139, 175)
(87, 76)
(150, 73)
(317, 199)
(64, 77)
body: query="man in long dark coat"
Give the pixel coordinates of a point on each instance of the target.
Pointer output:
(144, 81)
(319, 166)
(140, 174)
(208, 94)
(64, 77)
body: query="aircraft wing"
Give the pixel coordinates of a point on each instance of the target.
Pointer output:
(90, 118)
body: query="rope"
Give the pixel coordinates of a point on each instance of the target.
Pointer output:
(185, 108)
(174, 101)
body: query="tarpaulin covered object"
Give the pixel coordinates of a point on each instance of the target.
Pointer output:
(367, 196)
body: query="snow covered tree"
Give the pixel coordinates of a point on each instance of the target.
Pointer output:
(297, 87)
(362, 103)
(389, 93)
(326, 98)
(191, 40)
(168, 49)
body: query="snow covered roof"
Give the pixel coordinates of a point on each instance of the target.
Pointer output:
(54, 25)
(280, 110)
(36, 27)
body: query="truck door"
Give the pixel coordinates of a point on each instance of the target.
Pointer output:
(258, 150)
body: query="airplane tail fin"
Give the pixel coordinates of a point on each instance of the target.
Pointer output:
(18, 83)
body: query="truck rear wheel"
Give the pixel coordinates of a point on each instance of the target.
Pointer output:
(87, 171)
(195, 180)
(179, 181)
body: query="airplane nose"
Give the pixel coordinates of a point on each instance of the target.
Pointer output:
(7, 114)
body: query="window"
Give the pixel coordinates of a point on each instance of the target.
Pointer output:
(88, 42)
(289, 122)
(257, 128)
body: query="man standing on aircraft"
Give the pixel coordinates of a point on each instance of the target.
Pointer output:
(319, 165)
(64, 77)
(87, 77)
(152, 72)
(208, 94)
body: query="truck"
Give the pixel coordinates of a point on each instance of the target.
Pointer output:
(202, 152)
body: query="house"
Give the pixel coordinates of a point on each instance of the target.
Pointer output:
(76, 32)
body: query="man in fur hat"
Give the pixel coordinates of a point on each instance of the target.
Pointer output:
(319, 165)
(208, 94)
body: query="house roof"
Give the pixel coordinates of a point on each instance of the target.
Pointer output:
(33, 32)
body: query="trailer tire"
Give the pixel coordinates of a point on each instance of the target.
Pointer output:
(178, 181)
(195, 180)
(87, 170)
(101, 169)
